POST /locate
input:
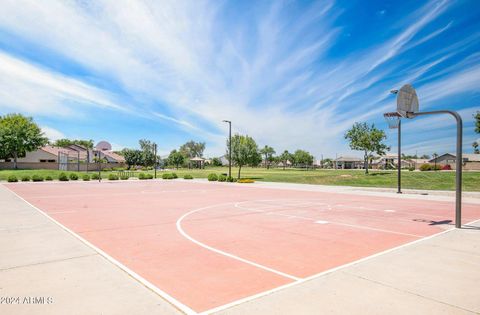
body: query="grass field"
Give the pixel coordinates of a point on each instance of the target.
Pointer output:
(440, 180)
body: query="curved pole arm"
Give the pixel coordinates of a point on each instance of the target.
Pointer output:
(458, 160)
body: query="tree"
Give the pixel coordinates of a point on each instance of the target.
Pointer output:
(477, 122)
(367, 139)
(475, 147)
(132, 157)
(216, 161)
(176, 158)
(244, 151)
(192, 149)
(285, 157)
(19, 135)
(268, 153)
(477, 130)
(303, 158)
(425, 157)
(147, 148)
(67, 142)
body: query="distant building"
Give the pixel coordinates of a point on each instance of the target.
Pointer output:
(72, 158)
(348, 162)
(390, 161)
(470, 161)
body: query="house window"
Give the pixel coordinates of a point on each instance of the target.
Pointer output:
(43, 161)
(51, 161)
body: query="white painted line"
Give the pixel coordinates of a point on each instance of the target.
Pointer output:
(323, 273)
(388, 210)
(378, 230)
(218, 251)
(363, 227)
(180, 306)
(321, 222)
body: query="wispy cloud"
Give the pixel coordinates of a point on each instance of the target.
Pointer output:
(268, 67)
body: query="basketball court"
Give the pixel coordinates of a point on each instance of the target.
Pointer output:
(204, 245)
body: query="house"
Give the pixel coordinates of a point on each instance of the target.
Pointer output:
(287, 164)
(470, 161)
(72, 158)
(348, 162)
(390, 161)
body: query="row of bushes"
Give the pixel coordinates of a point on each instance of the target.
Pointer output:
(26, 178)
(430, 167)
(86, 177)
(221, 178)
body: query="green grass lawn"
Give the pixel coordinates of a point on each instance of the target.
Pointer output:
(440, 180)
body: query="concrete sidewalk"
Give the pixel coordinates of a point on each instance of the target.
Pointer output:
(46, 270)
(39, 259)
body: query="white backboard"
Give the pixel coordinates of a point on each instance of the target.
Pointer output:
(407, 100)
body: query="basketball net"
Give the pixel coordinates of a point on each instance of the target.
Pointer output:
(392, 119)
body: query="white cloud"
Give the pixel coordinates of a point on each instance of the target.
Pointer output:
(190, 65)
(52, 134)
(30, 88)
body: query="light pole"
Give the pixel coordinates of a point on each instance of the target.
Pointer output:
(229, 147)
(155, 156)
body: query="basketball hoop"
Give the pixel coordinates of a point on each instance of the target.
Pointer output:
(392, 119)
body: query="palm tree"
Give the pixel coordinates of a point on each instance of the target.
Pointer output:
(285, 157)
(268, 152)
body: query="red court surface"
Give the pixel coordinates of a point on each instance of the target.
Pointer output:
(210, 244)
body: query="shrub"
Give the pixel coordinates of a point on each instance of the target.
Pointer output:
(222, 178)
(174, 175)
(96, 176)
(212, 177)
(246, 181)
(63, 177)
(446, 167)
(124, 177)
(425, 167)
(141, 176)
(149, 176)
(12, 179)
(37, 178)
(411, 168)
(230, 179)
(49, 178)
(112, 177)
(73, 176)
(167, 176)
(86, 177)
(187, 176)
(25, 178)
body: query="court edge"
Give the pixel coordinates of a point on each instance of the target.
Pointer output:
(177, 304)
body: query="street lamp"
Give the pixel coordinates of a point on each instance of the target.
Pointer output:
(229, 147)
(155, 156)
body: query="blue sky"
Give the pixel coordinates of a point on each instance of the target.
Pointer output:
(292, 74)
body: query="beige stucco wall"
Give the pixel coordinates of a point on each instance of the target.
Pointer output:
(54, 166)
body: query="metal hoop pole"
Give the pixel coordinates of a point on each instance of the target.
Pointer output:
(458, 161)
(399, 177)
